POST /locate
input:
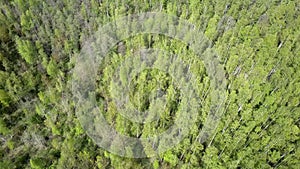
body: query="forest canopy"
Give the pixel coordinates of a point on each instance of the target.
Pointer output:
(257, 44)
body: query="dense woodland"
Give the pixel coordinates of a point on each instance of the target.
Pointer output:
(258, 42)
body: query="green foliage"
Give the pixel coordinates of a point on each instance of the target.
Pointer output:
(257, 41)
(26, 50)
(171, 158)
(37, 163)
(4, 98)
(52, 68)
(3, 129)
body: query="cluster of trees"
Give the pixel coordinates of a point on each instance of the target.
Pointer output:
(257, 41)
